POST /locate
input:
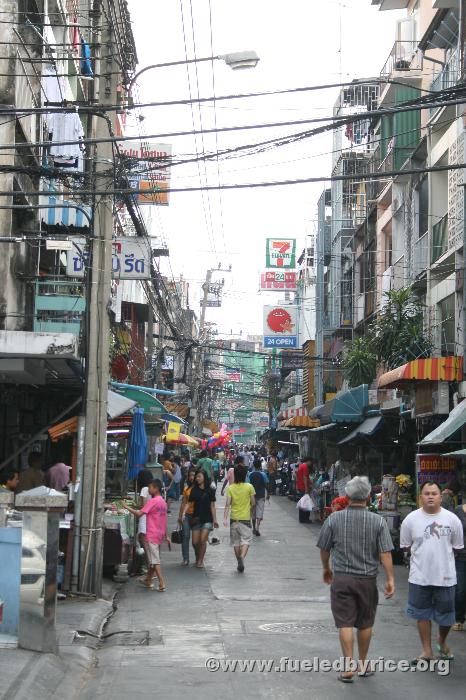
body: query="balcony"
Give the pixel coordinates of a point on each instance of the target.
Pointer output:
(60, 305)
(439, 238)
(404, 57)
(448, 76)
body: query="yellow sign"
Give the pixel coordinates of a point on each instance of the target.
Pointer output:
(173, 431)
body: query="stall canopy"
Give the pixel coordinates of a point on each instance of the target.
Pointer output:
(171, 418)
(350, 405)
(456, 453)
(321, 428)
(367, 428)
(118, 404)
(447, 369)
(300, 422)
(454, 422)
(144, 400)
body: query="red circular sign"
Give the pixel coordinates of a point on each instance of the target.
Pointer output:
(279, 321)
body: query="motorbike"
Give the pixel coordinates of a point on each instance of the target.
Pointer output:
(283, 480)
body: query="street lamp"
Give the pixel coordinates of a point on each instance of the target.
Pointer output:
(236, 61)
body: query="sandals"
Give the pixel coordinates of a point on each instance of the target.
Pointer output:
(445, 653)
(458, 627)
(160, 589)
(345, 679)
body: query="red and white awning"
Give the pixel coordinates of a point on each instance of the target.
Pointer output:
(293, 412)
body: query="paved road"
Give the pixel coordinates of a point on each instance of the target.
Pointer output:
(278, 608)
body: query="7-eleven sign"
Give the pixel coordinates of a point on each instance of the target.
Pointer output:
(281, 252)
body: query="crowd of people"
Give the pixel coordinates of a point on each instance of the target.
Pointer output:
(55, 475)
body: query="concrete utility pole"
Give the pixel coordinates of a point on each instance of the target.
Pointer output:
(98, 327)
(198, 363)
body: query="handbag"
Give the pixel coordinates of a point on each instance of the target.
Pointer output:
(177, 536)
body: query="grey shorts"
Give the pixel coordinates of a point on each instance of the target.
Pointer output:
(354, 600)
(153, 551)
(258, 510)
(240, 533)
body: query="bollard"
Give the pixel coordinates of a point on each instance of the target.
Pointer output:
(41, 519)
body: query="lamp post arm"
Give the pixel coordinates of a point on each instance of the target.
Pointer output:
(167, 65)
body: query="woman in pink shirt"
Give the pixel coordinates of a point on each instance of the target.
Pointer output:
(156, 531)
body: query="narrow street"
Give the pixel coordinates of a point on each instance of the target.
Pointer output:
(278, 608)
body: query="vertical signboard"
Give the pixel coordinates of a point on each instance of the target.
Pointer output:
(281, 253)
(280, 327)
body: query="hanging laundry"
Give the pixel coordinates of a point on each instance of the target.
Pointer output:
(54, 90)
(85, 62)
(75, 36)
(67, 127)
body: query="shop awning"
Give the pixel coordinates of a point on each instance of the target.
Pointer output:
(143, 399)
(59, 212)
(454, 422)
(350, 405)
(456, 453)
(447, 369)
(301, 422)
(367, 428)
(171, 418)
(117, 404)
(321, 428)
(64, 429)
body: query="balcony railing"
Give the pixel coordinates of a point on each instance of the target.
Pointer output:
(448, 76)
(404, 56)
(439, 238)
(60, 305)
(420, 256)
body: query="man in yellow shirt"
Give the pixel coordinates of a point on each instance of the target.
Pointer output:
(241, 500)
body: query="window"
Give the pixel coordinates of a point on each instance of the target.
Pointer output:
(446, 310)
(422, 207)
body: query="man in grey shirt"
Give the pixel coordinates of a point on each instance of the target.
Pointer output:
(357, 540)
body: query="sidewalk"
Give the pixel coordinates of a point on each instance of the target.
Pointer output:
(278, 608)
(30, 675)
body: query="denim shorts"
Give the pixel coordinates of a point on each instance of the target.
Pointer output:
(432, 603)
(203, 526)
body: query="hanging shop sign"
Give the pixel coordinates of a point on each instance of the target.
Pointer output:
(280, 327)
(276, 281)
(233, 374)
(280, 253)
(292, 360)
(214, 294)
(148, 168)
(131, 258)
(433, 467)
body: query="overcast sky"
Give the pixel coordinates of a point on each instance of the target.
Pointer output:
(300, 43)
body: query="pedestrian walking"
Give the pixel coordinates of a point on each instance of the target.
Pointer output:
(186, 521)
(156, 527)
(259, 481)
(204, 515)
(144, 479)
(272, 469)
(460, 563)
(205, 463)
(230, 477)
(241, 501)
(432, 534)
(303, 482)
(357, 539)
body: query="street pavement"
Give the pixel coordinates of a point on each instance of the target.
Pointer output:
(157, 644)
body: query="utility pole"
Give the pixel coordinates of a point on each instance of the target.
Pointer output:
(98, 328)
(198, 363)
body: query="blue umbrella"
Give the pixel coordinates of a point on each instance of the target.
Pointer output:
(137, 444)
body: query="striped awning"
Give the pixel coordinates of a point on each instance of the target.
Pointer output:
(447, 369)
(63, 212)
(302, 422)
(293, 412)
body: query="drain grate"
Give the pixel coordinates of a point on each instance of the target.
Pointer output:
(295, 627)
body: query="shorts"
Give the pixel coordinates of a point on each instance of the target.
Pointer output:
(354, 600)
(432, 603)
(203, 526)
(258, 510)
(240, 533)
(153, 553)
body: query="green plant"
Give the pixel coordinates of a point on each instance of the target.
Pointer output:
(359, 362)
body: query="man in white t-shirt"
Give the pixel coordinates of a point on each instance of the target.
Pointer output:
(432, 534)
